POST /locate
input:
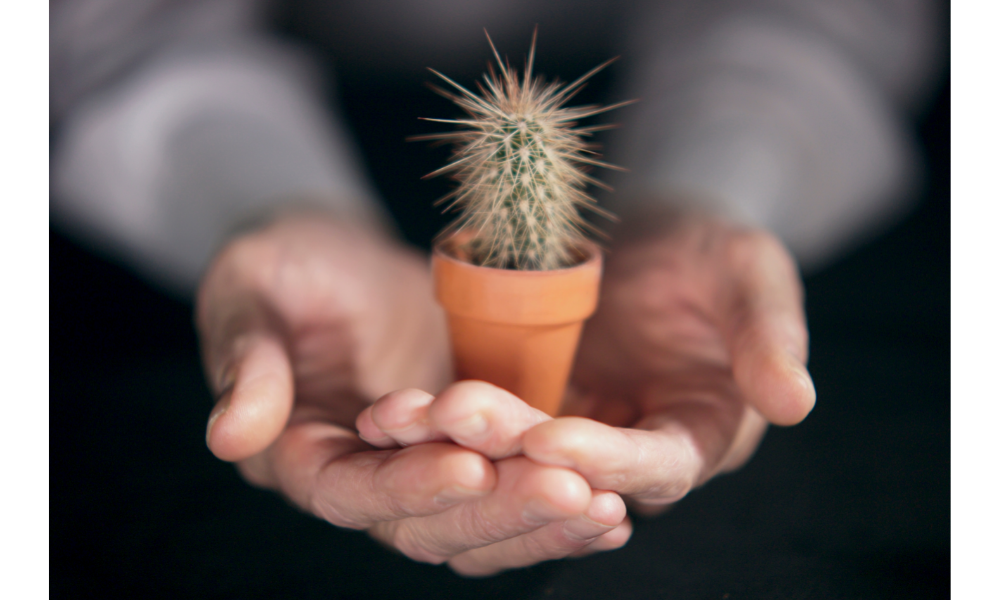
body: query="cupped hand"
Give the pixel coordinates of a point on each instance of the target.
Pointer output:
(482, 417)
(303, 323)
(699, 341)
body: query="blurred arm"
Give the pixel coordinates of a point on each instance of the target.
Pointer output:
(178, 120)
(790, 115)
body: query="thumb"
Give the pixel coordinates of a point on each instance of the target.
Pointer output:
(763, 318)
(255, 399)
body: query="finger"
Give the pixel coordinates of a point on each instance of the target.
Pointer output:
(399, 418)
(325, 470)
(369, 431)
(255, 406)
(612, 540)
(527, 497)
(761, 312)
(484, 418)
(248, 365)
(553, 541)
(474, 414)
(659, 464)
(746, 438)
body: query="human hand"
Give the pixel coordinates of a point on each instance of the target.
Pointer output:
(699, 341)
(485, 418)
(306, 321)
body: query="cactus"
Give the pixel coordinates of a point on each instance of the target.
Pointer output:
(521, 165)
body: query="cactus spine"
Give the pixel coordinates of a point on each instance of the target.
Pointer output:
(520, 162)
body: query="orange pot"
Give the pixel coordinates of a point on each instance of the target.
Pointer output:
(516, 329)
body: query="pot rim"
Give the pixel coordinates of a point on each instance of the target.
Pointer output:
(446, 245)
(523, 298)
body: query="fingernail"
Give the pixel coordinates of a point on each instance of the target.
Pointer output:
(584, 528)
(474, 428)
(794, 364)
(800, 373)
(217, 412)
(455, 494)
(808, 387)
(372, 440)
(398, 430)
(225, 380)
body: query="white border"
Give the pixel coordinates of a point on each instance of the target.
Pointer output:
(975, 297)
(24, 252)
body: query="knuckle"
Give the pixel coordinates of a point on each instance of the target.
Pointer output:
(238, 266)
(466, 397)
(681, 487)
(752, 332)
(538, 549)
(335, 508)
(614, 543)
(405, 540)
(330, 512)
(476, 529)
(574, 437)
(256, 472)
(467, 569)
(479, 527)
(689, 469)
(679, 480)
(617, 479)
(669, 492)
(244, 254)
(742, 248)
(255, 263)
(750, 247)
(475, 565)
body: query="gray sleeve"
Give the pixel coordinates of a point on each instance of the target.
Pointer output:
(178, 123)
(792, 115)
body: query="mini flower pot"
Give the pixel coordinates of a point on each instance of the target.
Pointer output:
(516, 329)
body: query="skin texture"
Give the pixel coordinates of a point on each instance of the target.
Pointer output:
(699, 342)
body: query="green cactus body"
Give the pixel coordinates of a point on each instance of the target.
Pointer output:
(520, 161)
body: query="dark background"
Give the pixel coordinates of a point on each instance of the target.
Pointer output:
(853, 503)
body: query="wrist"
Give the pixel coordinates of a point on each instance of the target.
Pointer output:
(323, 209)
(652, 217)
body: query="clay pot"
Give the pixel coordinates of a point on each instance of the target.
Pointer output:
(516, 329)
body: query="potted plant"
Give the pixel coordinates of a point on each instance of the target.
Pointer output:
(516, 271)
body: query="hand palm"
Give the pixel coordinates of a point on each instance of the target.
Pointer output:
(306, 322)
(310, 321)
(655, 350)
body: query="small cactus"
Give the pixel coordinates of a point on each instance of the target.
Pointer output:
(520, 162)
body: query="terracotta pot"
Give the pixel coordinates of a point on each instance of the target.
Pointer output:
(516, 329)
